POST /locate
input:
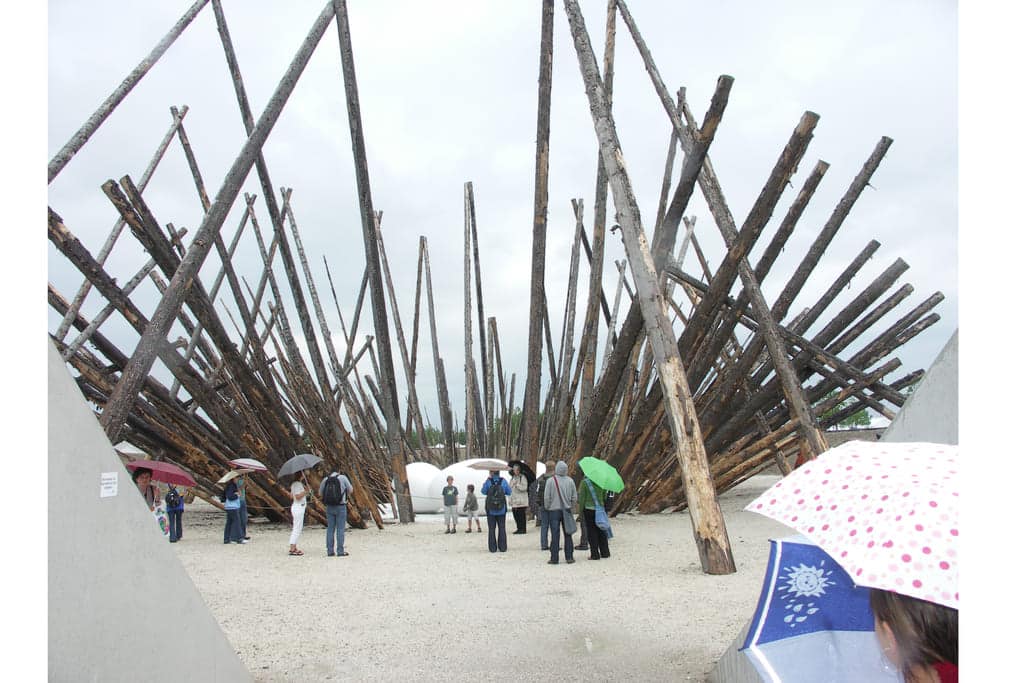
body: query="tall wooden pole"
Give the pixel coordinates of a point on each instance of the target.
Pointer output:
(705, 514)
(380, 319)
(529, 427)
(155, 336)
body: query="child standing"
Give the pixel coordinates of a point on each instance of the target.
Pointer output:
(451, 506)
(470, 508)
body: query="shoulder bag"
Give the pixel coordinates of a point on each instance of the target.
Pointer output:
(568, 521)
(600, 516)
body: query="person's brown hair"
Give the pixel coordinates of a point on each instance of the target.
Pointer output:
(925, 632)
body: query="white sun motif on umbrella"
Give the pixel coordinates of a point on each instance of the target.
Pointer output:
(808, 582)
(803, 582)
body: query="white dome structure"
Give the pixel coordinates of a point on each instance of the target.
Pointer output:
(426, 498)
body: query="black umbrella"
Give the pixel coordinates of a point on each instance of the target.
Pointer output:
(524, 468)
(302, 461)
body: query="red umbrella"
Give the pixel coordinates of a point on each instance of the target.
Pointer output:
(166, 472)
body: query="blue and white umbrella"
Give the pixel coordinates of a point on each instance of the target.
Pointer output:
(812, 623)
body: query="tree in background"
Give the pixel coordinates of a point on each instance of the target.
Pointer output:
(858, 419)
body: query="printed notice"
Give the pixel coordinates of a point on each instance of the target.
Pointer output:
(108, 484)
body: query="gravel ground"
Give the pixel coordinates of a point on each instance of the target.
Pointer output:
(412, 602)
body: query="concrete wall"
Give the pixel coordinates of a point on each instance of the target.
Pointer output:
(121, 606)
(932, 411)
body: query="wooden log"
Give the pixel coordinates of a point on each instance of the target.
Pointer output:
(154, 337)
(529, 445)
(595, 293)
(115, 232)
(439, 374)
(380, 321)
(706, 516)
(664, 240)
(407, 364)
(82, 135)
(563, 400)
(215, 287)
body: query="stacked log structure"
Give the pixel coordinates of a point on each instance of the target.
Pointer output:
(673, 398)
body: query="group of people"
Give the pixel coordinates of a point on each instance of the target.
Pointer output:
(557, 500)
(919, 637)
(334, 491)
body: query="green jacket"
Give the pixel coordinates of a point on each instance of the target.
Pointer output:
(586, 500)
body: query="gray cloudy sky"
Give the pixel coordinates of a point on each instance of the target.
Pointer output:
(449, 94)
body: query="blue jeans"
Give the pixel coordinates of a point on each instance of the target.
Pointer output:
(174, 522)
(545, 526)
(337, 515)
(557, 527)
(243, 517)
(232, 527)
(496, 523)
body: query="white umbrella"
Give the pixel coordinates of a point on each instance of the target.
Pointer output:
(250, 463)
(232, 474)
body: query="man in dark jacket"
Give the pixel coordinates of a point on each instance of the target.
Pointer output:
(542, 516)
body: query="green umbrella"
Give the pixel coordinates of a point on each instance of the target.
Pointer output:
(602, 474)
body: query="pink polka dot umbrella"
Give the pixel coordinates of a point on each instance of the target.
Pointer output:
(888, 513)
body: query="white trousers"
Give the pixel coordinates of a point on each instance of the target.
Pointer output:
(298, 517)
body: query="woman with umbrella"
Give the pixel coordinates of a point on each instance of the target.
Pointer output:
(295, 466)
(520, 496)
(232, 510)
(142, 477)
(893, 526)
(598, 478)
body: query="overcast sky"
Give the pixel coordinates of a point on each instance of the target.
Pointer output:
(449, 94)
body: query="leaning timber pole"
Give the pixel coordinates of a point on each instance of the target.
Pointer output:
(134, 374)
(529, 436)
(705, 514)
(380, 319)
(82, 135)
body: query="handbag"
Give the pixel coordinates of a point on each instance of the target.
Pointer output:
(600, 516)
(568, 521)
(235, 504)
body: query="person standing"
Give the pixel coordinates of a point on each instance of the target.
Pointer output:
(591, 496)
(495, 489)
(470, 507)
(175, 508)
(334, 491)
(520, 498)
(559, 498)
(450, 495)
(542, 513)
(232, 506)
(143, 479)
(298, 491)
(243, 510)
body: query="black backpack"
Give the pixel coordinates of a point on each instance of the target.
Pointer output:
(173, 499)
(495, 497)
(332, 491)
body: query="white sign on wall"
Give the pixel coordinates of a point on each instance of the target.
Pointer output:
(108, 484)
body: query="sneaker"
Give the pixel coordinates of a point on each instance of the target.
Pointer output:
(330, 554)
(552, 561)
(570, 561)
